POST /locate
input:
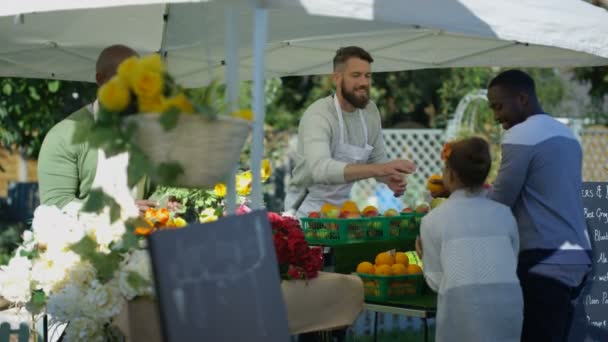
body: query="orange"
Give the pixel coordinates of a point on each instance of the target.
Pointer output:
(385, 270)
(350, 206)
(401, 258)
(327, 207)
(399, 269)
(384, 259)
(366, 267)
(414, 269)
(435, 188)
(369, 208)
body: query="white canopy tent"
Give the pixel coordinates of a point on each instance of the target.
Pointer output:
(60, 42)
(201, 40)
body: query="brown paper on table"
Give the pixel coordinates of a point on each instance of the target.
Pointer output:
(327, 302)
(139, 321)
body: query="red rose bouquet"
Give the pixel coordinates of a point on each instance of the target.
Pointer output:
(296, 259)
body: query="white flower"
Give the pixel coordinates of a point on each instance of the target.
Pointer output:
(84, 329)
(137, 262)
(51, 268)
(102, 231)
(106, 299)
(15, 280)
(80, 275)
(68, 304)
(54, 229)
(28, 241)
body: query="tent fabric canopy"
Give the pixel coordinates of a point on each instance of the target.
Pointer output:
(52, 41)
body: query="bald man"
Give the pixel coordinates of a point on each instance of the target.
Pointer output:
(67, 170)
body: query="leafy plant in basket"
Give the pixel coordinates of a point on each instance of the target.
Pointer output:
(144, 112)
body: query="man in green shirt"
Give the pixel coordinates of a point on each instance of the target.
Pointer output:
(67, 170)
(340, 140)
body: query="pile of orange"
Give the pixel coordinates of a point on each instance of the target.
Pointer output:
(388, 264)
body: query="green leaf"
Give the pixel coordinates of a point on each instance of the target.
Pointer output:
(169, 118)
(136, 280)
(34, 93)
(95, 202)
(168, 172)
(7, 89)
(53, 86)
(138, 166)
(104, 264)
(114, 210)
(37, 302)
(85, 247)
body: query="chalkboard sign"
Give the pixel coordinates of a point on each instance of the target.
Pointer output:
(591, 313)
(219, 281)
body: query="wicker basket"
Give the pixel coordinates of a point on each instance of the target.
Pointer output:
(207, 150)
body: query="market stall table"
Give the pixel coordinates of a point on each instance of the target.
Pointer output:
(424, 307)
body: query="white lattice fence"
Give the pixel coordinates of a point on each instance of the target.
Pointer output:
(423, 146)
(595, 154)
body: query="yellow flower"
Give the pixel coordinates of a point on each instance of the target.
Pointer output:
(266, 170)
(180, 102)
(147, 83)
(150, 104)
(179, 222)
(127, 69)
(114, 95)
(243, 183)
(152, 63)
(207, 215)
(245, 114)
(219, 190)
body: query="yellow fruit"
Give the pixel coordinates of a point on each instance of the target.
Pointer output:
(435, 188)
(399, 269)
(366, 267)
(350, 206)
(327, 207)
(414, 269)
(385, 270)
(385, 259)
(401, 258)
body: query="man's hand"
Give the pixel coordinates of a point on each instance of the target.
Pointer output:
(397, 184)
(396, 168)
(144, 205)
(419, 247)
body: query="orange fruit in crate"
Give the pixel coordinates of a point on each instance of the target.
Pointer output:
(433, 187)
(414, 269)
(366, 267)
(350, 207)
(401, 258)
(385, 258)
(370, 211)
(330, 211)
(399, 269)
(385, 270)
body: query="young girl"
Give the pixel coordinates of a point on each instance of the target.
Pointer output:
(469, 247)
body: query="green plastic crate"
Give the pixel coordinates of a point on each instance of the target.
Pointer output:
(389, 288)
(336, 231)
(332, 231)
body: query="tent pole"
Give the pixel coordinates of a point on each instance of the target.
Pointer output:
(257, 151)
(232, 90)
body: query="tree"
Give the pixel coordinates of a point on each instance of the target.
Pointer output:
(30, 107)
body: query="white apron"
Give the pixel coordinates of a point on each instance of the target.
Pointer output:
(338, 193)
